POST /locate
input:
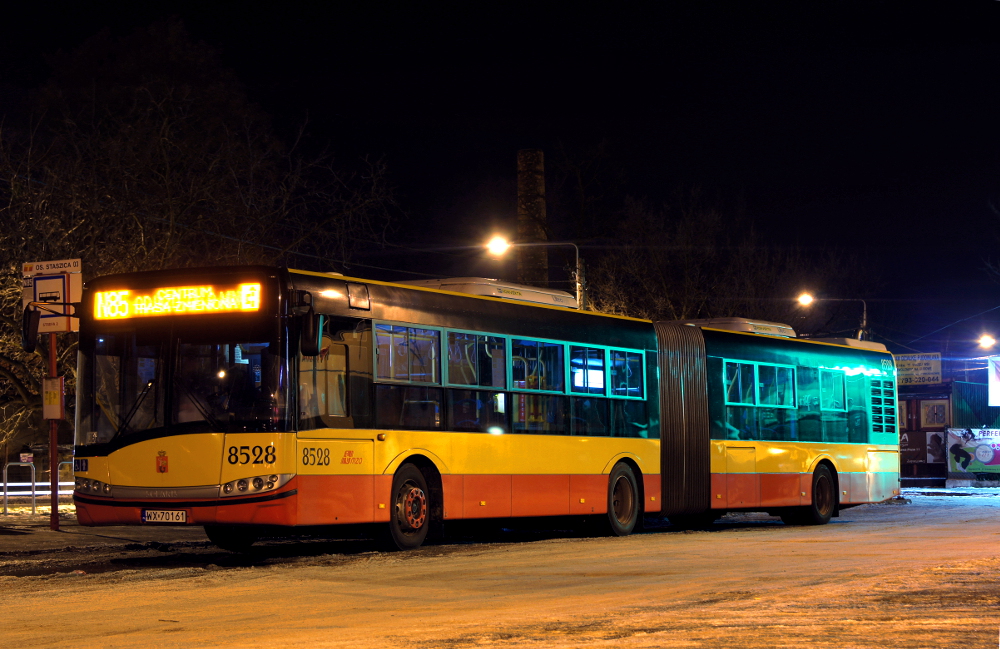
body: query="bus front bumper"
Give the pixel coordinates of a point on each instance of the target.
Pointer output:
(273, 508)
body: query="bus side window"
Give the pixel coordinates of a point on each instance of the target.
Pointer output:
(408, 407)
(858, 420)
(630, 419)
(808, 397)
(323, 384)
(543, 414)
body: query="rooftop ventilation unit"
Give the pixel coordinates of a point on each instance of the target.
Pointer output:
(745, 325)
(498, 288)
(852, 342)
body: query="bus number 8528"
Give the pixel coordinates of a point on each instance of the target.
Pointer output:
(254, 455)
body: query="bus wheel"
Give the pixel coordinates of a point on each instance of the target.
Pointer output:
(231, 538)
(623, 500)
(824, 501)
(410, 517)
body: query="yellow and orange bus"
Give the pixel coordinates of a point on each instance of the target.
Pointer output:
(246, 399)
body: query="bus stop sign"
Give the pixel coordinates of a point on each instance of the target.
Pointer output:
(57, 282)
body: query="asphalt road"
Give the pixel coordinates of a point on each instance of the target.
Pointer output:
(920, 574)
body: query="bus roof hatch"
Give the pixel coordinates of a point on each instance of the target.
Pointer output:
(745, 325)
(498, 288)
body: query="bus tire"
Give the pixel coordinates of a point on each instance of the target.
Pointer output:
(623, 500)
(231, 537)
(410, 518)
(824, 501)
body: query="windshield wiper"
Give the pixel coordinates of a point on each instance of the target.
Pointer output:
(123, 422)
(206, 413)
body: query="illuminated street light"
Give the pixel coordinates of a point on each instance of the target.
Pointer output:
(497, 246)
(806, 299)
(987, 341)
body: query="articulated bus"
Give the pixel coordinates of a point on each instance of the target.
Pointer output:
(255, 399)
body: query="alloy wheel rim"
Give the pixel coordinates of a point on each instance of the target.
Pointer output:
(413, 506)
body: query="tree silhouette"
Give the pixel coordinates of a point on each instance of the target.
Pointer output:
(693, 260)
(146, 153)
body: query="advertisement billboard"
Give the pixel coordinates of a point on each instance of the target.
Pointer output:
(973, 451)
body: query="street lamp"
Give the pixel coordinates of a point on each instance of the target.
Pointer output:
(806, 299)
(987, 341)
(498, 245)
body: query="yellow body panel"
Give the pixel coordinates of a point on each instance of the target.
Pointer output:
(189, 460)
(741, 459)
(208, 459)
(484, 454)
(335, 457)
(249, 462)
(97, 469)
(194, 460)
(801, 457)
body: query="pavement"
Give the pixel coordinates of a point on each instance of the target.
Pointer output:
(22, 532)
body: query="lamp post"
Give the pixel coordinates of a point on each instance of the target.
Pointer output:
(806, 299)
(497, 246)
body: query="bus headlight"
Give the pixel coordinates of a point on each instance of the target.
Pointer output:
(93, 487)
(254, 484)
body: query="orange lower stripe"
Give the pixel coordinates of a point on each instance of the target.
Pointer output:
(334, 500)
(764, 490)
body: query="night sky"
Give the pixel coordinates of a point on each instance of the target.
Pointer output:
(863, 125)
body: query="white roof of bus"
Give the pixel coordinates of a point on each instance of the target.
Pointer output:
(744, 324)
(498, 288)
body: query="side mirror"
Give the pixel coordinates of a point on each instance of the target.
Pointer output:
(312, 333)
(300, 302)
(29, 329)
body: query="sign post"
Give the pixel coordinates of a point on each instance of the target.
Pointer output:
(58, 283)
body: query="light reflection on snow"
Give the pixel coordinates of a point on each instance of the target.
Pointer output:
(960, 495)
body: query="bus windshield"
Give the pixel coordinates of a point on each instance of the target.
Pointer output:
(129, 386)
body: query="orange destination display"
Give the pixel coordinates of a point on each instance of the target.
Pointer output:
(176, 300)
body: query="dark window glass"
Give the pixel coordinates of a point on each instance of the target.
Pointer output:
(478, 411)
(626, 374)
(857, 409)
(740, 383)
(405, 406)
(122, 389)
(832, 390)
(408, 353)
(835, 427)
(741, 422)
(777, 385)
(474, 359)
(778, 424)
(590, 416)
(537, 365)
(231, 386)
(809, 424)
(629, 419)
(586, 368)
(539, 413)
(323, 384)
